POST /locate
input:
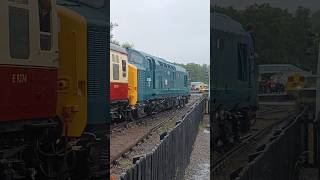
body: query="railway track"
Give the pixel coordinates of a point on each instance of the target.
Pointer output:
(248, 143)
(219, 163)
(150, 124)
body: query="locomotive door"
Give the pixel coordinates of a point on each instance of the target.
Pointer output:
(151, 76)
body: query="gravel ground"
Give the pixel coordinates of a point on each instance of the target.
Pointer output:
(199, 167)
(121, 140)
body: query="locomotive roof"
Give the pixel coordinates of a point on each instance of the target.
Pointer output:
(117, 48)
(178, 68)
(93, 10)
(225, 23)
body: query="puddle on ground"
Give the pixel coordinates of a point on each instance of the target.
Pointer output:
(203, 172)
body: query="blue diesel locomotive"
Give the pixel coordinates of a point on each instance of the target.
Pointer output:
(161, 84)
(233, 79)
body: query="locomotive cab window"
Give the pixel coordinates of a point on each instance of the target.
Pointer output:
(185, 80)
(45, 24)
(115, 68)
(242, 62)
(220, 43)
(124, 68)
(19, 40)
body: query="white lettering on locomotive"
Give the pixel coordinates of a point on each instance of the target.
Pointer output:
(19, 78)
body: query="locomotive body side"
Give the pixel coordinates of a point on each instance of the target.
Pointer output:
(158, 78)
(72, 76)
(233, 97)
(45, 117)
(161, 85)
(28, 66)
(84, 70)
(118, 74)
(234, 70)
(97, 66)
(133, 85)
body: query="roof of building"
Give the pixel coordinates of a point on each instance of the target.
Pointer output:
(281, 68)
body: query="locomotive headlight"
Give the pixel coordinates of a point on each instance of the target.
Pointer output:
(63, 84)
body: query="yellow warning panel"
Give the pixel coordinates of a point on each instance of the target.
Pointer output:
(72, 72)
(133, 84)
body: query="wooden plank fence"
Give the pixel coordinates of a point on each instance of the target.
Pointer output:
(169, 160)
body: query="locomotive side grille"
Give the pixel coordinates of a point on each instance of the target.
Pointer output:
(141, 84)
(97, 63)
(98, 74)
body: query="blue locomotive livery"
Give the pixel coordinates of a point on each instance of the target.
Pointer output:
(233, 79)
(161, 84)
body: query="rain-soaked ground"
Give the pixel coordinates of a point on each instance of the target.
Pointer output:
(199, 167)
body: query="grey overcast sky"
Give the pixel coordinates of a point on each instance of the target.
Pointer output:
(178, 30)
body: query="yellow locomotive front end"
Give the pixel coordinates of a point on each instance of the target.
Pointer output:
(72, 73)
(295, 83)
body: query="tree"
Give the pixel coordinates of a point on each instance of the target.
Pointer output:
(112, 26)
(197, 72)
(115, 42)
(281, 37)
(127, 45)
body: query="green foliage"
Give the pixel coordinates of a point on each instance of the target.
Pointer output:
(127, 45)
(115, 42)
(197, 72)
(281, 37)
(112, 26)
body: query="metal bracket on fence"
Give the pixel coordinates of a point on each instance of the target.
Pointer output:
(163, 135)
(136, 158)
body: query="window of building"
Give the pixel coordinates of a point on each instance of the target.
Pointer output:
(115, 71)
(45, 24)
(124, 68)
(19, 41)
